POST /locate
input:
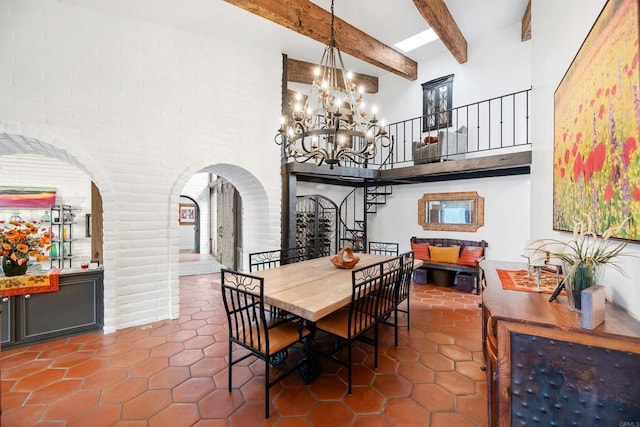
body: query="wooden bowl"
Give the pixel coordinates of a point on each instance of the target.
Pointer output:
(345, 258)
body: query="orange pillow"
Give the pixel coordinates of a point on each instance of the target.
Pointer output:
(448, 254)
(470, 255)
(430, 140)
(420, 251)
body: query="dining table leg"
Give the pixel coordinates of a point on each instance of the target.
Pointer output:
(310, 367)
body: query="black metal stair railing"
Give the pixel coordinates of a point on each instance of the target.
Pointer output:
(492, 126)
(355, 207)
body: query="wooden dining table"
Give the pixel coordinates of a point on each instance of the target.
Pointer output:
(311, 290)
(314, 288)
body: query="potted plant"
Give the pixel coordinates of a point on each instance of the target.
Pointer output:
(583, 258)
(18, 242)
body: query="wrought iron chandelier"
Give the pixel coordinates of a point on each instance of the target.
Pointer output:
(332, 126)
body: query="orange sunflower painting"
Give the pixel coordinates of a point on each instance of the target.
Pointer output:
(596, 131)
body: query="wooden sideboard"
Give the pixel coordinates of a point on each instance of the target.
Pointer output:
(544, 369)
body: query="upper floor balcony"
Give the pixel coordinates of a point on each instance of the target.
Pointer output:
(486, 138)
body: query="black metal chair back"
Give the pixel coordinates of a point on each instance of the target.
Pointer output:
(383, 248)
(365, 282)
(402, 293)
(268, 259)
(243, 298)
(391, 276)
(408, 259)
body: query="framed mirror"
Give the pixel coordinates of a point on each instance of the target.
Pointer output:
(451, 211)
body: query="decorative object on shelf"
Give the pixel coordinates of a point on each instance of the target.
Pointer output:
(332, 126)
(61, 235)
(593, 307)
(584, 256)
(45, 217)
(12, 268)
(345, 258)
(18, 242)
(582, 275)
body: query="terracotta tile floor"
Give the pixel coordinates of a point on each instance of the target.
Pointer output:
(173, 373)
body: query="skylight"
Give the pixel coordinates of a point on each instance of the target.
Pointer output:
(418, 40)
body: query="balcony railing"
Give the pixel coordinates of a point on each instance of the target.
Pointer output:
(493, 126)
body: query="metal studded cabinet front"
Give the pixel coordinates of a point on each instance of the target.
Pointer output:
(567, 384)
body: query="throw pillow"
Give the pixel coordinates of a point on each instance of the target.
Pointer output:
(430, 139)
(420, 251)
(448, 254)
(470, 255)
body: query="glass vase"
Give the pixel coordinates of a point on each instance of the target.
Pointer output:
(579, 277)
(11, 267)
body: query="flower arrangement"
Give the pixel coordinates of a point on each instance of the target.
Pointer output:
(585, 247)
(583, 256)
(22, 240)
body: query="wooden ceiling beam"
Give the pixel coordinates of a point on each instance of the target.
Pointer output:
(526, 23)
(302, 72)
(437, 15)
(306, 18)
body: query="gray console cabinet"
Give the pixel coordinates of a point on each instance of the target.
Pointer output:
(76, 307)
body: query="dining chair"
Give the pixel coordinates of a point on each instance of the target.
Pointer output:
(273, 258)
(351, 322)
(383, 248)
(387, 296)
(402, 293)
(265, 338)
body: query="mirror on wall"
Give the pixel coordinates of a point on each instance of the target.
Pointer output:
(462, 211)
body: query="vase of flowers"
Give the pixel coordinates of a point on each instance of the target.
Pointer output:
(583, 258)
(20, 241)
(581, 276)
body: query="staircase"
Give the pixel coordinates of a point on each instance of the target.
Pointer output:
(358, 205)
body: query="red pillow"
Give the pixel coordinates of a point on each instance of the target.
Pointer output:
(420, 251)
(470, 255)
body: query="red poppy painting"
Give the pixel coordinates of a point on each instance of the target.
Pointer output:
(596, 170)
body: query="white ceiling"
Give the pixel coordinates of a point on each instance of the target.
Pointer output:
(390, 21)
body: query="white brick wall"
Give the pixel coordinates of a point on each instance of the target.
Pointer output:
(141, 108)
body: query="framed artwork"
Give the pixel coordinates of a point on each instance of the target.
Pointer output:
(187, 213)
(596, 161)
(436, 103)
(27, 197)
